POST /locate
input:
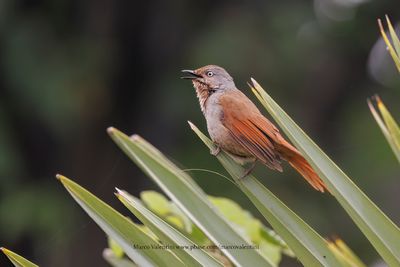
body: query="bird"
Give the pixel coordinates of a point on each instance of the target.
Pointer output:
(237, 126)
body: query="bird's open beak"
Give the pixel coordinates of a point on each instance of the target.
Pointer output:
(189, 74)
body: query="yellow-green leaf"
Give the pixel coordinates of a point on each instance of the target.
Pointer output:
(388, 125)
(156, 202)
(116, 249)
(17, 260)
(345, 254)
(115, 261)
(392, 51)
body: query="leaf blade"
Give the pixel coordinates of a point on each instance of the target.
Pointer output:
(375, 225)
(167, 234)
(120, 229)
(309, 247)
(393, 35)
(392, 51)
(16, 259)
(188, 196)
(391, 126)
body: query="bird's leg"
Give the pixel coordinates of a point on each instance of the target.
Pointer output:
(216, 150)
(249, 170)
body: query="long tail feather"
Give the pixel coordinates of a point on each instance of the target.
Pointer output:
(301, 165)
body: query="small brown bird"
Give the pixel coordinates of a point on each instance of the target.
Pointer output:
(237, 126)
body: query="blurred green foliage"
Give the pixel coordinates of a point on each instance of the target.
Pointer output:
(69, 69)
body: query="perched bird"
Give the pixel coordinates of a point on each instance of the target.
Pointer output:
(237, 126)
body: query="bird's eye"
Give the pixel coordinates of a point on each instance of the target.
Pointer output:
(210, 73)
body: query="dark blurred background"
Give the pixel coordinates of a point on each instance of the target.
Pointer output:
(69, 69)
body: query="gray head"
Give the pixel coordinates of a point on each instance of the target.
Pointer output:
(210, 77)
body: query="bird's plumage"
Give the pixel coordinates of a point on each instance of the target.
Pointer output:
(249, 128)
(237, 126)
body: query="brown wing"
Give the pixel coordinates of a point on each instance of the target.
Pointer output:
(261, 138)
(250, 128)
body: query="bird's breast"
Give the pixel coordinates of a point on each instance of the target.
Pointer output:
(214, 114)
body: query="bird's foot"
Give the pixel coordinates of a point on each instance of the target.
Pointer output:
(215, 151)
(248, 170)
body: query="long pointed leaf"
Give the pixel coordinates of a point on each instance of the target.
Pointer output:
(185, 249)
(383, 234)
(393, 35)
(190, 198)
(121, 229)
(392, 127)
(388, 125)
(308, 245)
(345, 253)
(392, 51)
(17, 260)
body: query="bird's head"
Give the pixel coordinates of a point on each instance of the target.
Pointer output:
(210, 78)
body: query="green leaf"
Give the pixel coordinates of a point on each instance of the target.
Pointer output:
(185, 249)
(251, 228)
(243, 219)
(156, 202)
(308, 246)
(393, 35)
(392, 51)
(269, 242)
(173, 216)
(345, 254)
(271, 251)
(180, 187)
(383, 234)
(272, 237)
(388, 125)
(197, 236)
(136, 243)
(17, 260)
(116, 249)
(115, 261)
(168, 211)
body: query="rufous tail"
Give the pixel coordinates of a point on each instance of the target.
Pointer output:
(302, 166)
(293, 156)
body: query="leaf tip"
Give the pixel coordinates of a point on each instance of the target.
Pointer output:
(60, 177)
(380, 23)
(378, 101)
(5, 251)
(387, 18)
(107, 253)
(119, 195)
(192, 126)
(110, 130)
